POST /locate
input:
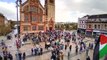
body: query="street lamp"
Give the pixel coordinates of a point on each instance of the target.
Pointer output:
(17, 5)
(18, 42)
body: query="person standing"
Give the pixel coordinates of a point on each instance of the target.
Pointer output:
(65, 47)
(24, 56)
(88, 58)
(0, 57)
(10, 56)
(62, 55)
(5, 57)
(20, 56)
(68, 55)
(76, 50)
(87, 50)
(80, 50)
(41, 50)
(32, 51)
(70, 47)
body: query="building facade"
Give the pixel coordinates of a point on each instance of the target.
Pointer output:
(82, 24)
(2, 19)
(93, 25)
(35, 18)
(96, 24)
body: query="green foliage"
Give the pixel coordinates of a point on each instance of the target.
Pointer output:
(66, 26)
(4, 30)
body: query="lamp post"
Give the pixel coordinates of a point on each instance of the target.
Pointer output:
(17, 5)
(18, 42)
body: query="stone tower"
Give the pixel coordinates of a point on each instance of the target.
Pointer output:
(50, 13)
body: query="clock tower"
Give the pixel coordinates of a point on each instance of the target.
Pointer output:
(50, 13)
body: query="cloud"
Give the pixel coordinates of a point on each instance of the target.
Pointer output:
(8, 9)
(89, 6)
(66, 10)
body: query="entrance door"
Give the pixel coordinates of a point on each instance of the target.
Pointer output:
(50, 28)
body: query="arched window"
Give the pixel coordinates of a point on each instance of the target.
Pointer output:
(40, 19)
(89, 26)
(34, 18)
(95, 26)
(33, 9)
(98, 26)
(26, 18)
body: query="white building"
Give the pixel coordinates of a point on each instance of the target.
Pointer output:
(82, 24)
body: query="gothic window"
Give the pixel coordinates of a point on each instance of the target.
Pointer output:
(40, 19)
(33, 9)
(40, 28)
(25, 28)
(34, 18)
(26, 18)
(33, 27)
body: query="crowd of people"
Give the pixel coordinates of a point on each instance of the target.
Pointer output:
(56, 41)
(5, 53)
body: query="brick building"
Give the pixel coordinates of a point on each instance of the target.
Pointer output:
(35, 18)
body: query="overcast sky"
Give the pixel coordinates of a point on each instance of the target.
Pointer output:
(66, 10)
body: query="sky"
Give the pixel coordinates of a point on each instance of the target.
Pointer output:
(65, 10)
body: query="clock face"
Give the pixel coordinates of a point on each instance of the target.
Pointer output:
(51, 1)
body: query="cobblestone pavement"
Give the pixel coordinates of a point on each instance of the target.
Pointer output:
(46, 56)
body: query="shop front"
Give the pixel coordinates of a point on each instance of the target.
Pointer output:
(104, 32)
(89, 32)
(81, 31)
(96, 33)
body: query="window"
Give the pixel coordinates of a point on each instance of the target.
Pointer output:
(89, 26)
(40, 19)
(33, 9)
(33, 18)
(95, 26)
(105, 26)
(98, 26)
(26, 18)
(33, 27)
(25, 28)
(40, 28)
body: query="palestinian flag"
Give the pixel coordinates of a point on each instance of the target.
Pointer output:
(103, 46)
(100, 49)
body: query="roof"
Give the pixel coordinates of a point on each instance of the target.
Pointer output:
(24, 3)
(97, 16)
(2, 15)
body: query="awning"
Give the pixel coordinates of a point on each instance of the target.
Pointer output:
(90, 30)
(96, 31)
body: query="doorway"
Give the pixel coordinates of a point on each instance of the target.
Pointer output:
(50, 28)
